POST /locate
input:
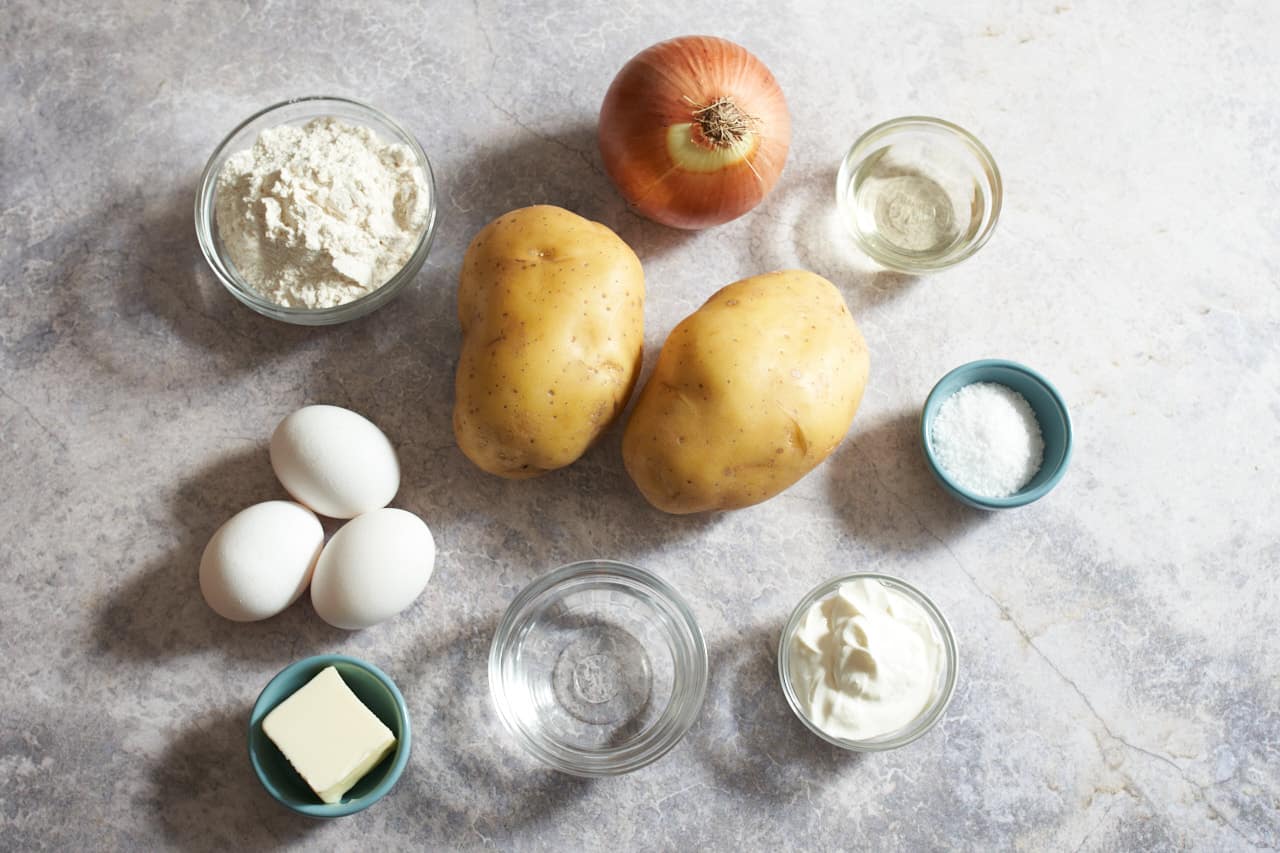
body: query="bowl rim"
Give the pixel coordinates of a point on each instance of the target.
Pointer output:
(661, 736)
(404, 739)
(935, 400)
(921, 724)
(903, 263)
(206, 225)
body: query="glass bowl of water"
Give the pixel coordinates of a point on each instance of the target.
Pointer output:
(919, 194)
(598, 668)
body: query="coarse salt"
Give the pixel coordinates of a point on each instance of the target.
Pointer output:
(987, 439)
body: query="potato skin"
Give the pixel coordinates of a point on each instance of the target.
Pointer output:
(749, 394)
(552, 313)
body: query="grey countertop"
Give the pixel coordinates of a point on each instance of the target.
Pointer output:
(1119, 684)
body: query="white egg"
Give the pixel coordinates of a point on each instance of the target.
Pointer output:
(335, 461)
(375, 566)
(261, 560)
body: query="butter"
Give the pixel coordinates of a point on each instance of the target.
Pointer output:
(328, 735)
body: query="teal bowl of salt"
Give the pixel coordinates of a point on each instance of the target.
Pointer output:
(983, 450)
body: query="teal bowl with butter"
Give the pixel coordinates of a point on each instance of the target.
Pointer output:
(379, 694)
(1051, 413)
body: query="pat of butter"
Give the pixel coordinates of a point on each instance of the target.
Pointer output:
(328, 735)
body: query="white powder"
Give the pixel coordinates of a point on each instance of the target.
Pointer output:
(987, 438)
(322, 214)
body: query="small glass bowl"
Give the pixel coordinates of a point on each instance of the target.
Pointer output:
(598, 668)
(299, 111)
(926, 181)
(943, 688)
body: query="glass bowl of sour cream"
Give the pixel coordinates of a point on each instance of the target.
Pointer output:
(867, 662)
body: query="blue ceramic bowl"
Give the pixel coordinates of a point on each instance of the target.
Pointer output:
(376, 691)
(1045, 401)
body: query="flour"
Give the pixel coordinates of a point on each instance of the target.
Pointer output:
(322, 214)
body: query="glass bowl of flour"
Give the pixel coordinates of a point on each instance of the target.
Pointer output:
(316, 210)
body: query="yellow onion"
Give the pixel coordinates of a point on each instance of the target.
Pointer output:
(694, 131)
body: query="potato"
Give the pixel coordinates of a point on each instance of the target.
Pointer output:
(552, 313)
(749, 394)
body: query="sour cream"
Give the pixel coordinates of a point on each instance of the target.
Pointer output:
(865, 661)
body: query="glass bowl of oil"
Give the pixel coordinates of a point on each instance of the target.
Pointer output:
(919, 194)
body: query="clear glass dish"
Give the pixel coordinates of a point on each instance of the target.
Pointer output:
(943, 689)
(299, 111)
(598, 668)
(919, 194)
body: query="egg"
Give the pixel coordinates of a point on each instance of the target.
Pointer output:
(375, 566)
(261, 560)
(335, 461)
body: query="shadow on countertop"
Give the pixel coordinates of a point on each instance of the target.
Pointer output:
(468, 772)
(178, 286)
(801, 215)
(135, 276)
(562, 167)
(206, 796)
(157, 612)
(885, 493)
(545, 522)
(748, 735)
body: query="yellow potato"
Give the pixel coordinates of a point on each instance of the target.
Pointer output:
(552, 313)
(750, 393)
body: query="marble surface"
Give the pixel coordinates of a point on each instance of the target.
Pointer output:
(1119, 685)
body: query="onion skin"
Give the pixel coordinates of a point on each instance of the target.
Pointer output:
(651, 138)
